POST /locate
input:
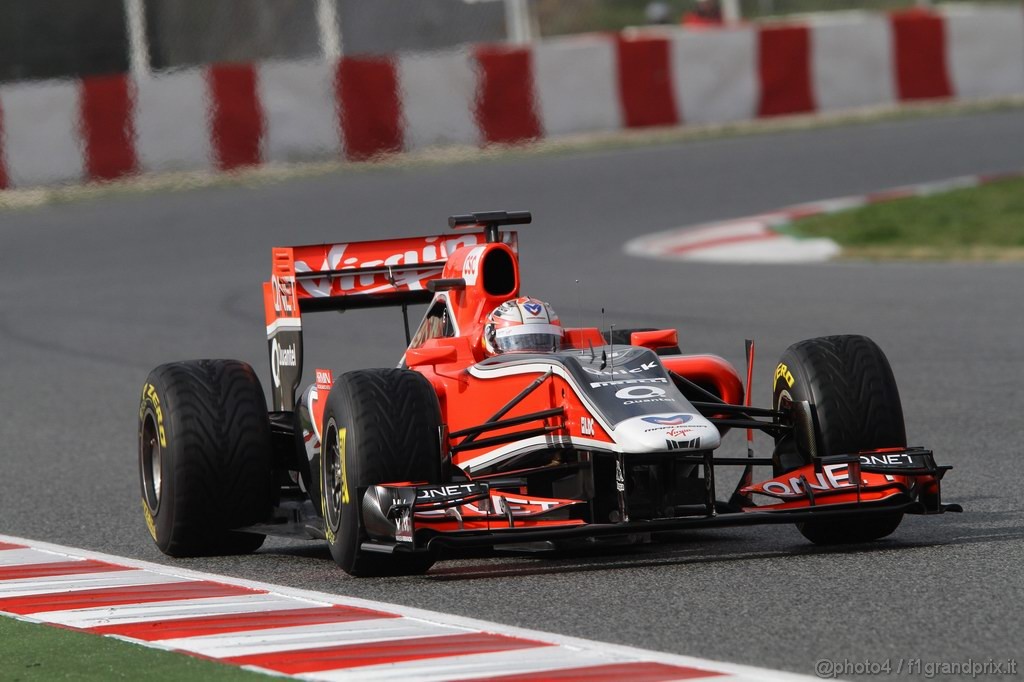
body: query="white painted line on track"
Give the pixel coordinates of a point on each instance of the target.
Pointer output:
(756, 239)
(309, 635)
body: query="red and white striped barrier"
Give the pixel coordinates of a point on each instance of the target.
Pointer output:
(229, 116)
(309, 635)
(759, 239)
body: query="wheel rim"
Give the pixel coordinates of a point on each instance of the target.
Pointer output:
(332, 478)
(151, 460)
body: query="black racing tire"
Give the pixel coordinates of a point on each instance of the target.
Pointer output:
(855, 406)
(205, 457)
(379, 426)
(621, 337)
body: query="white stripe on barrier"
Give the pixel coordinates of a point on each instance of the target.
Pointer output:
(437, 93)
(172, 122)
(301, 110)
(851, 63)
(576, 86)
(538, 659)
(683, 238)
(986, 51)
(75, 583)
(778, 249)
(42, 142)
(832, 205)
(715, 74)
(157, 611)
(20, 557)
(308, 637)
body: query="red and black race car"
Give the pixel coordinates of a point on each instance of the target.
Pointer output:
(463, 445)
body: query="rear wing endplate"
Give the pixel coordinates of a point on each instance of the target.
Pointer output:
(386, 272)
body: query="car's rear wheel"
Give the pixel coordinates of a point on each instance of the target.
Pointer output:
(855, 406)
(379, 426)
(204, 457)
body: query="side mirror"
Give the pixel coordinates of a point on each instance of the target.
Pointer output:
(436, 285)
(660, 338)
(431, 355)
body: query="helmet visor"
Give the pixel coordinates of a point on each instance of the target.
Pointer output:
(529, 338)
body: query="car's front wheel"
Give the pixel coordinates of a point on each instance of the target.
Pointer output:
(855, 406)
(379, 426)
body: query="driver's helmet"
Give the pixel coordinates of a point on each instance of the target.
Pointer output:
(522, 325)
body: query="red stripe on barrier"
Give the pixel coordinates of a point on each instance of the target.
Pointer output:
(115, 596)
(152, 631)
(369, 106)
(645, 82)
(996, 177)
(389, 651)
(784, 65)
(4, 184)
(722, 241)
(920, 45)
(58, 568)
(634, 672)
(107, 125)
(236, 124)
(889, 195)
(8, 545)
(803, 212)
(506, 109)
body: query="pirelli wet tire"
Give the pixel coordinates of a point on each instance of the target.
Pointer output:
(379, 426)
(855, 406)
(204, 457)
(622, 337)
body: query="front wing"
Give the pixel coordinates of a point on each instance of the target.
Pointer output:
(416, 517)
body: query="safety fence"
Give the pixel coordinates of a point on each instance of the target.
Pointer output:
(229, 116)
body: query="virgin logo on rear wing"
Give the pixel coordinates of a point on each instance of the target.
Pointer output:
(368, 274)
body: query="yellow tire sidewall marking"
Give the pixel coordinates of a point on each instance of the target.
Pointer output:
(782, 372)
(344, 468)
(152, 400)
(324, 492)
(150, 522)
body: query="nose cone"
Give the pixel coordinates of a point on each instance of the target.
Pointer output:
(668, 432)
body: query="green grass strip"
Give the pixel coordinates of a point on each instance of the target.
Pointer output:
(31, 651)
(978, 223)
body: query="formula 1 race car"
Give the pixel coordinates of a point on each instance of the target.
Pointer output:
(501, 427)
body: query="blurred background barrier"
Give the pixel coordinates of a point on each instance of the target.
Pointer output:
(102, 89)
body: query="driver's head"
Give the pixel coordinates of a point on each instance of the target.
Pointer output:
(523, 325)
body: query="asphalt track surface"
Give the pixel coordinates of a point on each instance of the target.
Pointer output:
(94, 294)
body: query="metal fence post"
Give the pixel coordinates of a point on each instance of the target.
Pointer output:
(517, 21)
(138, 42)
(329, 32)
(731, 11)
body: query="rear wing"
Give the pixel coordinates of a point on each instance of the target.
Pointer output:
(385, 272)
